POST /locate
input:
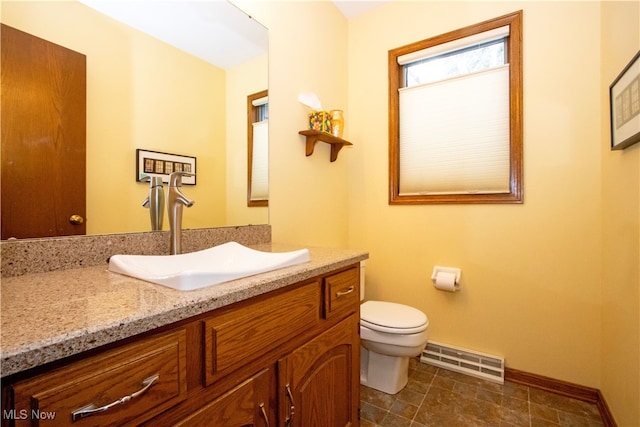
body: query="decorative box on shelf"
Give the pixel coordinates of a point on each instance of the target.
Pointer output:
(320, 121)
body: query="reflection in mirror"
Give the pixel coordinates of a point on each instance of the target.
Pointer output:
(145, 93)
(258, 149)
(43, 137)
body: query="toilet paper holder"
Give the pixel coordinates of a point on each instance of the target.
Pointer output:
(438, 269)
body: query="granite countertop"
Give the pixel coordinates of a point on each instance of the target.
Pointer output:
(49, 316)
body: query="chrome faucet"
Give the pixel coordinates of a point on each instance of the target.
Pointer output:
(174, 206)
(155, 201)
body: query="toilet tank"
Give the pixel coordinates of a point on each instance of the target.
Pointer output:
(362, 267)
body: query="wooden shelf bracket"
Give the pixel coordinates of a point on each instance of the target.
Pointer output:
(313, 136)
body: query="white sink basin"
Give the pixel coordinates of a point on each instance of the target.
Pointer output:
(208, 267)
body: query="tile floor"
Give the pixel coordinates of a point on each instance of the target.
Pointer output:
(441, 398)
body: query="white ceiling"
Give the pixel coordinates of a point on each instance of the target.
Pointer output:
(213, 30)
(353, 8)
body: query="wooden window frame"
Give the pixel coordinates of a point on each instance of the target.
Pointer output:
(514, 49)
(252, 117)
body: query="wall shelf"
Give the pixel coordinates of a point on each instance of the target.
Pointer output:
(313, 136)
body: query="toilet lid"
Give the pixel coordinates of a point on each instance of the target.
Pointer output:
(391, 317)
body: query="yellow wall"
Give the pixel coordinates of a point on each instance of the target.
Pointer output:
(308, 199)
(138, 96)
(621, 229)
(531, 272)
(242, 81)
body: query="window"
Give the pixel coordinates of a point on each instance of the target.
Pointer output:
(258, 149)
(455, 116)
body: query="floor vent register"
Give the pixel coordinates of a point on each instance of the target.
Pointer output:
(467, 362)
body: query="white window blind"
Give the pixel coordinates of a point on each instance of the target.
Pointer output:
(260, 161)
(454, 135)
(486, 36)
(261, 106)
(260, 101)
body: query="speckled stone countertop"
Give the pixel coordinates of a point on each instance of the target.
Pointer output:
(25, 256)
(49, 316)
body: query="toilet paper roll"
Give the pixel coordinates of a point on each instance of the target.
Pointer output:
(446, 281)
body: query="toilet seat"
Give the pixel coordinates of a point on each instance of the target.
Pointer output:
(392, 318)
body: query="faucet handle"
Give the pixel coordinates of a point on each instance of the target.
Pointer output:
(175, 179)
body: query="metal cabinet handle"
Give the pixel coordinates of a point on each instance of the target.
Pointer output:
(91, 409)
(347, 292)
(264, 414)
(292, 408)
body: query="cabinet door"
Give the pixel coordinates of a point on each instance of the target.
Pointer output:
(246, 405)
(318, 384)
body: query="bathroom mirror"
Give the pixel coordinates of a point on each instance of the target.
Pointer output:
(176, 84)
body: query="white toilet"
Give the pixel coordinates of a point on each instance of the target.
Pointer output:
(390, 334)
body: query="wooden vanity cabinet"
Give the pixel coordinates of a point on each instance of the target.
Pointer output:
(286, 358)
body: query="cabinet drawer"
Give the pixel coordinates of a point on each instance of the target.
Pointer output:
(241, 335)
(122, 379)
(342, 293)
(245, 405)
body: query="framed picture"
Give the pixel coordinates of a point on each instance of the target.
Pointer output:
(154, 163)
(624, 99)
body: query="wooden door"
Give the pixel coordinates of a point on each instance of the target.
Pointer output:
(43, 137)
(318, 384)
